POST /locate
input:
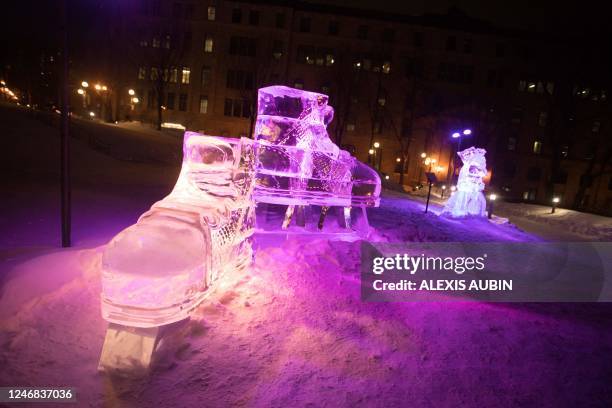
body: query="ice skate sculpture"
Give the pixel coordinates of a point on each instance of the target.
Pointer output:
(297, 163)
(157, 271)
(468, 200)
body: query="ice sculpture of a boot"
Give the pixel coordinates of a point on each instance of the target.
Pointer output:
(158, 270)
(297, 163)
(468, 200)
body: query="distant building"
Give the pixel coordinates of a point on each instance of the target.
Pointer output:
(406, 83)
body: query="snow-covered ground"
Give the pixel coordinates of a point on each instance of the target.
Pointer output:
(291, 330)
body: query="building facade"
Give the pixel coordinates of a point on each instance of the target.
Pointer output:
(401, 87)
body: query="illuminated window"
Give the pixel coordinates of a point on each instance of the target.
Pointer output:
(382, 101)
(350, 127)
(386, 67)
(142, 73)
(185, 75)
(154, 73)
(203, 104)
(167, 42)
(173, 77)
(155, 42)
(531, 87)
(537, 147)
(212, 13)
(329, 60)
(208, 44)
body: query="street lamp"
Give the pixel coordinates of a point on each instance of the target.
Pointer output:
(135, 100)
(376, 145)
(84, 84)
(131, 92)
(492, 198)
(397, 159)
(423, 155)
(555, 201)
(371, 151)
(98, 87)
(80, 91)
(92, 114)
(443, 190)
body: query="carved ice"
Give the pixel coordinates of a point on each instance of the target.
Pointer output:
(297, 162)
(157, 271)
(468, 199)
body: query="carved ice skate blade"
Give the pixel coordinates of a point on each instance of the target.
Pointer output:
(128, 350)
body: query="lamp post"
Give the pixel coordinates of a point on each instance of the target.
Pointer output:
(457, 136)
(492, 198)
(443, 190)
(555, 201)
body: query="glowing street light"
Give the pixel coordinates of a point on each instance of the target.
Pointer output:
(555, 201)
(397, 159)
(92, 114)
(80, 91)
(84, 84)
(98, 87)
(456, 135)
(131, 92)
(376, 145)
(423, 155)
(135, 100)
(387, 177)
(104, 88)
(492, 198)
(371, 151)
(467, 132)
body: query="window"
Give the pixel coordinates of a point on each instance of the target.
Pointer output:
(377, 127)
(208, 43)
(542, 119)
(329, 60)
(451, 43)
(512, 143)
(185, 75)
(382, 100)
(467, 46)
(386, 67)
(236, 15)
(173, 77)
(170, 100)
(305, 24)
(417, 39)
(212, 13)
(560, 177)
(460, 74)
(537, 147)
(509, 169)
(564, 151)
(350, 127)
(494, 79)
(205, 78)
(413, 67)
(596, 126)
(155, 43)
(167, 42)
(154, 74)
(187, 41)
(388, 35)
(182, 102)
(142, 73)
(298, 84)
(203, 104)
(333, 28)
(236, 108)
(280, 20)
(237, 79)
(534, 173)
(362, 32)
(530, 195)
(243, 46)
(254, 17)
(277, 49)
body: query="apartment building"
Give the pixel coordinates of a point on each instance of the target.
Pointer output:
(402, 86)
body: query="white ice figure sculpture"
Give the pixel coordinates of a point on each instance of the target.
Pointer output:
(297, 163)
(468, 199)
(159, 269)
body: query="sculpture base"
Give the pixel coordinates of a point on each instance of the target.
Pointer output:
(128, 350)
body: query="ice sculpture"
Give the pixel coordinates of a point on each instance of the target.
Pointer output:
(297, 163)
(158, 270)
(468, 198)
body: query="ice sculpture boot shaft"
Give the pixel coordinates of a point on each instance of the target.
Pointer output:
(159, 269)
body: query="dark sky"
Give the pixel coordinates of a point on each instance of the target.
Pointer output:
(557, 17)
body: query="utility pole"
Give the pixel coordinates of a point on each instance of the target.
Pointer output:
(64, 131)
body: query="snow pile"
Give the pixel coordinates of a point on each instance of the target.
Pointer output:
(595, 227)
